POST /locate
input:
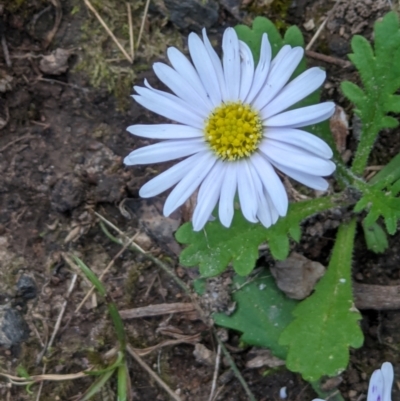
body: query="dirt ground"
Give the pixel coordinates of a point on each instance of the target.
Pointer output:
(63, 119)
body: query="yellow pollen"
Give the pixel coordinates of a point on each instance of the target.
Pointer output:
(233, 130)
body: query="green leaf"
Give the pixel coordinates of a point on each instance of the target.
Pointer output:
(253, 36)
(118, 323)
(380, 75)
(123, 377)
(389, 174)
(375, 237)
(326, 323)
(90, 275)
(262, 312)
(215, 246)
(116, 364)
(97, 385)
(380, 203)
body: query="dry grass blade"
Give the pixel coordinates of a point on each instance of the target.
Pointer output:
(131, 38)
(112, 36)
(156, 310)
(147, 368)
(184, 340)
(39, 378)
(215, 376)
(146, 9)
(52, 33)
(123, 249)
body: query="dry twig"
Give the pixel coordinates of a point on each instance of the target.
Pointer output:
(112, 36)
(146, 9)
(147, 368)
(123, 249)
(215, 376)
(131, 38)
(156, 310)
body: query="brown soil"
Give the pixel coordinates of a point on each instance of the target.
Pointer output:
(61, 154)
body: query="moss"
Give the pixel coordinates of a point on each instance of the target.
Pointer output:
(276, 10)
(102, 61)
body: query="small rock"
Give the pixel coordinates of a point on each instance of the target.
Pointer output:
(13, 328)
(190, 14)
(309, 25)
(55, 63)
(296, 276)
(26, 287)
(203, 355)
(109, 189)
(67, 194)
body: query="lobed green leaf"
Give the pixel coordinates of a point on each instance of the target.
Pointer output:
(215, 247)
(375, 237)
(326, 323)
(262, 313)
(380, 75)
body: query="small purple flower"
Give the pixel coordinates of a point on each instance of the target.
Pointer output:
(380, 385)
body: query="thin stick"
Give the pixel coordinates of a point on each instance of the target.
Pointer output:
(316, 35)
(123, 249)
(321, 27)
(60, 316)
(131, 40)
(146, 9)
(146, 367)
(134, 247)
(328, 59)
(5, 51)
(235, 369)
(216, 370)
(28, 136)
(91, 8)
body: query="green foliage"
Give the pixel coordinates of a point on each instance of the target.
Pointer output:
(380, 75)
(375, 237)
(326, 323)
(380, 203)
(253, 36)
(262, 313)
(215, 246)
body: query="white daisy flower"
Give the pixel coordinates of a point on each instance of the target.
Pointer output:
(233, 128)
(380, 385)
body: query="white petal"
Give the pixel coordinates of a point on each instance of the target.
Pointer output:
(261, 72)
(302, 117)
(301, 139)
(170, 177)
(376, 386)
(387, 372)
(205, 68)
(247, 70)
(185, 68)
(283, 52)
(296, 158)
(169, 108)
(207, 198)
(228, 190)
(181, 88)
(309, 180)
(247, 192)
(272, 184)
(278, 76)
(165, 131)
(216, 63)
(231, 63)
(294, 91)
(263, 212)
(165, 151)
(189, 183)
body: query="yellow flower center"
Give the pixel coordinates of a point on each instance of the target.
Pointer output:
(233, 131)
